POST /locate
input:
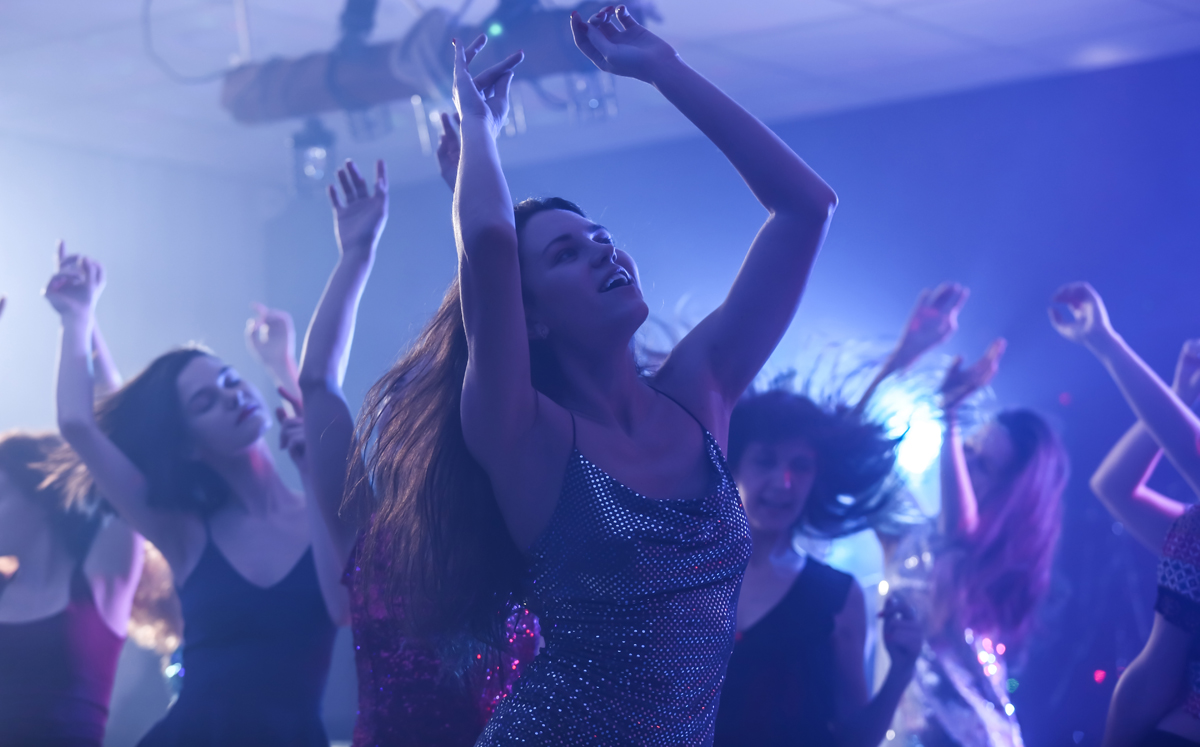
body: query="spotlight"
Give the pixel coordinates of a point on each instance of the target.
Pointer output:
(312, 154)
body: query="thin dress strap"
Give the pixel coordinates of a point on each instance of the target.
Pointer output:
(681, 407)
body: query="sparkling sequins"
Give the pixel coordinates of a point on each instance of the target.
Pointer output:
(637, 600)
(404, 696)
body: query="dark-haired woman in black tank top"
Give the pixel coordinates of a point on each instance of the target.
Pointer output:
(796, 676)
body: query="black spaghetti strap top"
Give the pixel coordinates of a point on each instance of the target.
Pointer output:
(779, 689)
(56, 674)
(254, 659)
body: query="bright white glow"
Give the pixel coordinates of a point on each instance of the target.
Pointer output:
(891, 734)
(1010, 709)
(923, 439)
(1102, 55)
(883, 588)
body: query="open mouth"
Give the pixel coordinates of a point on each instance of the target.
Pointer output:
(246, 412)
(618, 279)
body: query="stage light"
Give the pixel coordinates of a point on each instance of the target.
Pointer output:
(1010, 709)
(495, 29)
(883, 588)
(1013, 685)
(918, 422)
(312, 155)
(1099, 676)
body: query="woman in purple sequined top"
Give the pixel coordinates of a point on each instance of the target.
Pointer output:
(1157, 699)
(407, 696)
(527, 456)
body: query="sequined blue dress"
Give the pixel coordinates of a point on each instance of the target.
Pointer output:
(637, 600)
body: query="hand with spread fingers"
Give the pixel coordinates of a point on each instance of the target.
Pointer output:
(960, 383)
(616, 43)
(933, 321)
(359, 215)
(484, 96)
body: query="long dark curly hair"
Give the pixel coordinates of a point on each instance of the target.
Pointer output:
(855, 457)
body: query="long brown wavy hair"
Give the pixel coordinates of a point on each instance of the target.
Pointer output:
(995, 580)
(435, 541)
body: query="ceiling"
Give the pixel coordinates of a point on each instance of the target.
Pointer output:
(75, 73)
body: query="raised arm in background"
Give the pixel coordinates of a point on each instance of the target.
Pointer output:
(727, 349)
(1079, 315)
(960, 507)
(271, 338)
(359, 219)
(73, 292)
(1120, 480)
(933, 321)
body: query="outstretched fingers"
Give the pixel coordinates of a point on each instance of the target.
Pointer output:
(589, 41)
(381, 180)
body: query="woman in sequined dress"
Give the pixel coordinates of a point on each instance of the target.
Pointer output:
(405, 695)
(1157, 700)
(797, 674)
(528, 456)
(978, 576)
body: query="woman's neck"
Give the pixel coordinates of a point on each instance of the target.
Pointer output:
(604, 388)
(769, 547)
(253, 478)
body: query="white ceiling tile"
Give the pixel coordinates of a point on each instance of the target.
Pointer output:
(704, 19)
(866, 42)
(1020, 22)
(1119, 46)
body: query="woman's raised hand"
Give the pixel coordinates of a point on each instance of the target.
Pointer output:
(359, 219)
(484, 96)
(271, 337)
(932, 322)
(618, 44)
(1187, 373)
(77, 284)
(961, 383)
(1078, 314)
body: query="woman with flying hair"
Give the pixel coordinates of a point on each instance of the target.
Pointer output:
(978, 574)
(518, 453)
(65, 610)
(797, 674)
(180, 453)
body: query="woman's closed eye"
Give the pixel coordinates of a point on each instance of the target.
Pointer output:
(565, 254)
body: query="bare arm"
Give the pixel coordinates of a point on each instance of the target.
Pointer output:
(729, 347)
(1149, 687)
(328, 422)
(1080, 316)
(863, 721)
(271, 338)
(499, 402)
(960, 507)
(73, 292)
(932, 321)
(1120, 484)
(108, 378)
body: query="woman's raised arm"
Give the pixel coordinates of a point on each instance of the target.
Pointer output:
(1079, 315)
(73, 292)
(359, 220)
(730, 346)
(498, 399)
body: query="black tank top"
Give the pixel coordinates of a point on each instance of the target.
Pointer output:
(56, 674)
(779, 690)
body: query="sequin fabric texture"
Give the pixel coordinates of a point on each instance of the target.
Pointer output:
(405, 698)
(1179, 593)
(637, 600)
(958, 695)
